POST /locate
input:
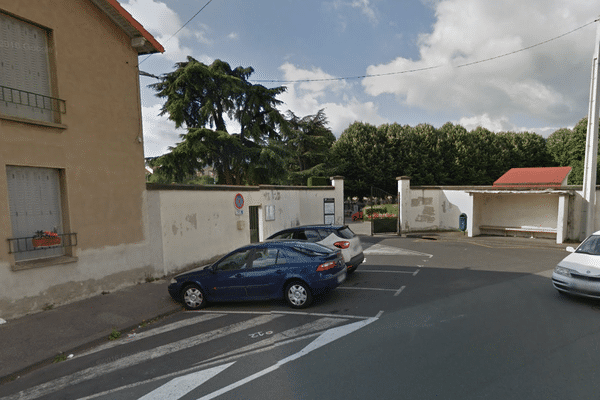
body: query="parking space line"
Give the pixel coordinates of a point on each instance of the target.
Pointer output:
(399, 291)
(391, 272)
(364, 288)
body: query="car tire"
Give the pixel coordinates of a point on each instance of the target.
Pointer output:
(193, 297)
(298, 294)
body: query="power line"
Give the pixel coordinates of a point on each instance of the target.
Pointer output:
(426, 68)
(179, 30)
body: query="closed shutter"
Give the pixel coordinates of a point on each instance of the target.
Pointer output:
(35, 205)
(24, 66)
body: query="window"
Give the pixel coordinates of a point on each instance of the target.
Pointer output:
(35, 205)
(266, 258)
(235, 261)
(25, 86)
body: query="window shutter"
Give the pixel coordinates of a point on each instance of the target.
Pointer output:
(24, 66)
(34, 204)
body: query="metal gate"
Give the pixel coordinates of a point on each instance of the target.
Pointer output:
(254, 225)
(382, 211)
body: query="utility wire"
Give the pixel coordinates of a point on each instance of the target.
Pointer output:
(179, 30)
(428, 68)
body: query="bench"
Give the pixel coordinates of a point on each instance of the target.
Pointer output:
(532, 231)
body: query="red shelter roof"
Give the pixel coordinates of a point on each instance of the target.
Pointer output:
(550, 177)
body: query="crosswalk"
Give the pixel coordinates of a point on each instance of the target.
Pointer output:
(257, 332)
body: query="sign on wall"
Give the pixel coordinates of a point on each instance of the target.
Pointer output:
(238, 201)
(270, 213)
(329, 211)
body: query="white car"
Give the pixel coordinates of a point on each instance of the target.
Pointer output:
(579, 272)
(337, 237)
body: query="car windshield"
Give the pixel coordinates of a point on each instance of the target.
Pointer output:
(590, 246)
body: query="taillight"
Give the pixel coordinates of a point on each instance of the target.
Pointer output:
(326, 266)
(342, 245)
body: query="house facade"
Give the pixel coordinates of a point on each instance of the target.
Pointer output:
(72, 186)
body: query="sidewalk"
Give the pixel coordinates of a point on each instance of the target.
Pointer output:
(364, 229)
(36, 339)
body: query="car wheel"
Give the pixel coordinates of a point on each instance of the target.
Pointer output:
(193, 298)
(298, 294)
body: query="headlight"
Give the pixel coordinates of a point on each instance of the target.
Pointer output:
(562, 271)
(173, 281)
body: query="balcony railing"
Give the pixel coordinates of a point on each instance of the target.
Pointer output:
(33, 243)
(30, 99)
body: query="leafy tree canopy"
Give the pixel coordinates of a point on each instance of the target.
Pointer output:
(202, 98)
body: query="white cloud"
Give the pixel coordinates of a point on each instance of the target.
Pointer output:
(162, 22)
(502, 124)
(538, 82)
(341, 107)
(485, 121)
(366, 9)
(364, 6)
(159, 132)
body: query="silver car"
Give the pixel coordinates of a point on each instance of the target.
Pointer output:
(337, 237)
(579, 272)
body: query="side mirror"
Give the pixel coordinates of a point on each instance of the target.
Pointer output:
(570, 249)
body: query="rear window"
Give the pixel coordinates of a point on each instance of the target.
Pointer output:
(345, 233)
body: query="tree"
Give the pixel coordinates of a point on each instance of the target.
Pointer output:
(307, 142)
(567, 148)
(362, 156)
(201, 98)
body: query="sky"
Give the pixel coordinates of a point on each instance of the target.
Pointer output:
(505, 65)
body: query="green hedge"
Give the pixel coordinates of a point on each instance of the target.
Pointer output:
(318, 181)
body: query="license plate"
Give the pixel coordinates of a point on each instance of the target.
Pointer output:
(342, 277)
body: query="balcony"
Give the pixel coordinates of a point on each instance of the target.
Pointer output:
(34, 243)
(23, 104)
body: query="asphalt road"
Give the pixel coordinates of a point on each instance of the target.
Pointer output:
(420, 319)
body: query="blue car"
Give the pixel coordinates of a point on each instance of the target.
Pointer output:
(290, 269)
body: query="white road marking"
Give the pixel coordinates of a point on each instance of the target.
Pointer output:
(545, 274)
(381, 250)
(399, 291)
(315, 326)
(218, 360)
(93, 372)
(386, 271)
(152, 332)
(365, 288)
(181, 386)
(327, 337)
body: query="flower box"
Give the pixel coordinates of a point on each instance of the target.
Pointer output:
(45, 241)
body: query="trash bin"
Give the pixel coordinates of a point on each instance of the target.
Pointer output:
(462, 222)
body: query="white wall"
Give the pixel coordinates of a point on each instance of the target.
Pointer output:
(439, 208)
(197, 226)
(434, 208)
(513, 209)
(182, 228)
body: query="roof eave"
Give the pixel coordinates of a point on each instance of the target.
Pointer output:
(142, 41)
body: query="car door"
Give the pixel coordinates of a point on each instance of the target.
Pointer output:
(228, 281)
(265, 276)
